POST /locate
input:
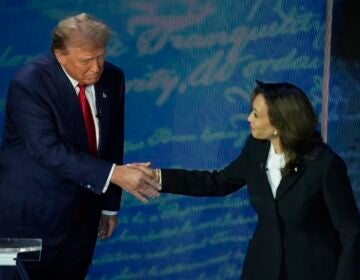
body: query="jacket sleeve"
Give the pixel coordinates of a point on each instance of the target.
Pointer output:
(206, 183)
(345, 217)
(33, 118)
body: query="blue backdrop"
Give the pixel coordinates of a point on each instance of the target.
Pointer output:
(190, 66)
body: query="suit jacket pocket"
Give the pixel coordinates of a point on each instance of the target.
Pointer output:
(24, 208)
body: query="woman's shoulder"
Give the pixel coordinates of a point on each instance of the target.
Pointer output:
(320, 152)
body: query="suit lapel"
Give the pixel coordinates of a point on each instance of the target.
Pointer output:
(287, 182)
(102, 99)
(68, 103)
(263, 161)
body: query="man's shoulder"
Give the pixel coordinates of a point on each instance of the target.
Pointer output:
(110, 67)
(112, 73)
(40, 66)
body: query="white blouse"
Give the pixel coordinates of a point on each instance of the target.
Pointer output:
(273, 166)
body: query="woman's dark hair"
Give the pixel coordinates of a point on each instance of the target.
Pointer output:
(292, 114)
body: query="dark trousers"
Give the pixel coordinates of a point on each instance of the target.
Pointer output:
(283, 273)
(70, 263)
(71, 260)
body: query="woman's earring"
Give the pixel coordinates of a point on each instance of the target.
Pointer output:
(275, 133)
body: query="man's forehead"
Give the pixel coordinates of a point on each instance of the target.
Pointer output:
(86, 51)
(78, 40)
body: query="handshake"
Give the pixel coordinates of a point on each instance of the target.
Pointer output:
(138, 179)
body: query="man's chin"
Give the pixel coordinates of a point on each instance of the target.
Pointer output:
(91, 81)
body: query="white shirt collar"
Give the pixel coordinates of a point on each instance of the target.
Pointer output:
(275, 160)
(73, 81)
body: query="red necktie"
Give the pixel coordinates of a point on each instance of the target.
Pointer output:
(88, 119)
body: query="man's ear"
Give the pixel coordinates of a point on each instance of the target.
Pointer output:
(60, 57)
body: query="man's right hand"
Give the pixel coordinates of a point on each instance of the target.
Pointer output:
(140, 183)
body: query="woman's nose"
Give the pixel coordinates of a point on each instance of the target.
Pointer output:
(249, 118)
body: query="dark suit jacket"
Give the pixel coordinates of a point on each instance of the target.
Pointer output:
(47, 178)
(312, 226)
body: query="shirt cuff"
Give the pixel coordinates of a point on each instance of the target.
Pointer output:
(107, 183)
(109, 213)
(160, 178)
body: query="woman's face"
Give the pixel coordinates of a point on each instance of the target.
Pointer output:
(260, 125)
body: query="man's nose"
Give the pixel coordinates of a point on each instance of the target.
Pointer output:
(95, 65)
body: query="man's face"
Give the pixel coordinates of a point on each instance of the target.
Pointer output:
(83, 64)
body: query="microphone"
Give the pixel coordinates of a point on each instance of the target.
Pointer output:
(98, 115)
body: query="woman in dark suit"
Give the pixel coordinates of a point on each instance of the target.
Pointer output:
(308, 222)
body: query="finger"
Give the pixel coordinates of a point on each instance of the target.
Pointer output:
(105, 235)
(152, 183)
(146, 170)
(101, 236)
(102, 233)
(148, 190)
(140, 197)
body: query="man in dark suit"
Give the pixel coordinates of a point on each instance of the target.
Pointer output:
(60, 163)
